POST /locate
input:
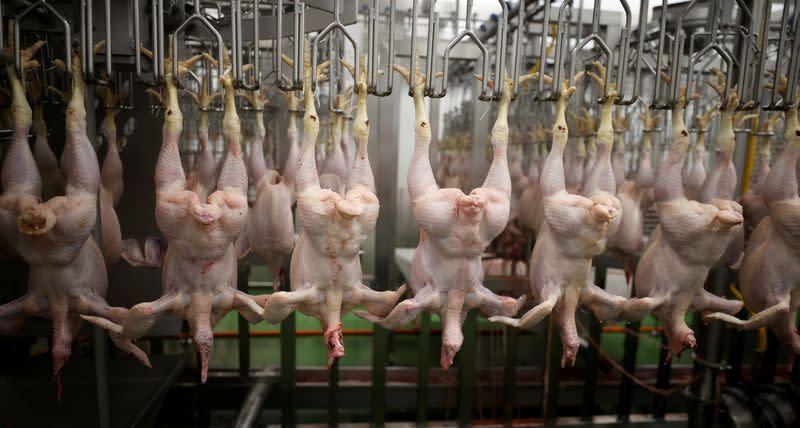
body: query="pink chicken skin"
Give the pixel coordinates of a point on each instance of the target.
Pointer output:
(696, 175)
(111, 185)
(325, 274)
(770, 272)
(531, 211)
(627, 241)
(575, 229)
(203, 178)
(720, 183)
(689, 240)
(200, 266)
(46, 161)
(67, 276)
(753, 205)
(455, 229)
(270, 224)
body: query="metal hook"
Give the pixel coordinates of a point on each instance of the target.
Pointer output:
(87, 37)
(237, 46)
(335, 25)
(486, 94)
(517, 53)
(676, 64)
(17, 37)
(372, 58)
(562, 28)
(156, 34)
(657, 104)
(775, 103)
(220, 43)
(413, 54)
(296, 83)
(603, 46)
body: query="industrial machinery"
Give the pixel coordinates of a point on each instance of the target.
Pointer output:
(259, 237)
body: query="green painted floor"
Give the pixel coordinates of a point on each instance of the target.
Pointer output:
(265, 351)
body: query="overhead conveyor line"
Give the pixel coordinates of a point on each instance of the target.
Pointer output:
(18, 37)
(237, 46)
(372, 58)
(296, 82)
(197, 16)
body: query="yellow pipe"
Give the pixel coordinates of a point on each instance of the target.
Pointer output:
(750, 156)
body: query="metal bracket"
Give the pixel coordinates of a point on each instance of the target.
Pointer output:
(157, 38)
(372, 58)
(486, 94)
(18, 38)
(335, 25)
(296, 83)
(87, 40)
(197, 16)
(237, 46)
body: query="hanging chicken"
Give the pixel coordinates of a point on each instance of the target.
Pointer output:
(270, 224)
(689, 240)
(203, 176)
(770, 272)
(575, 229)
(326, 273)
(200, 266)
(52, 179)
(696, 174)
(753, 205)
(67, 277)
(455, 229)
(645, 176)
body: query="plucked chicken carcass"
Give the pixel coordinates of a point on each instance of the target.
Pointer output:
(575, 161)
(270, 224)
(333, 175)
(770, 272)
(628, 239)
(696, 173)
(293, 104)
(67, 275)
(690, 238)
(531, 210)
(720, 183)
(645, 177)
(326, 270)
(753, 205)
(539, 138)
(46, 161)
(200, 266)
(575, 229)
(519, 180)
(621, 124)
(588, 127)
(455, 229)
(203, 177)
